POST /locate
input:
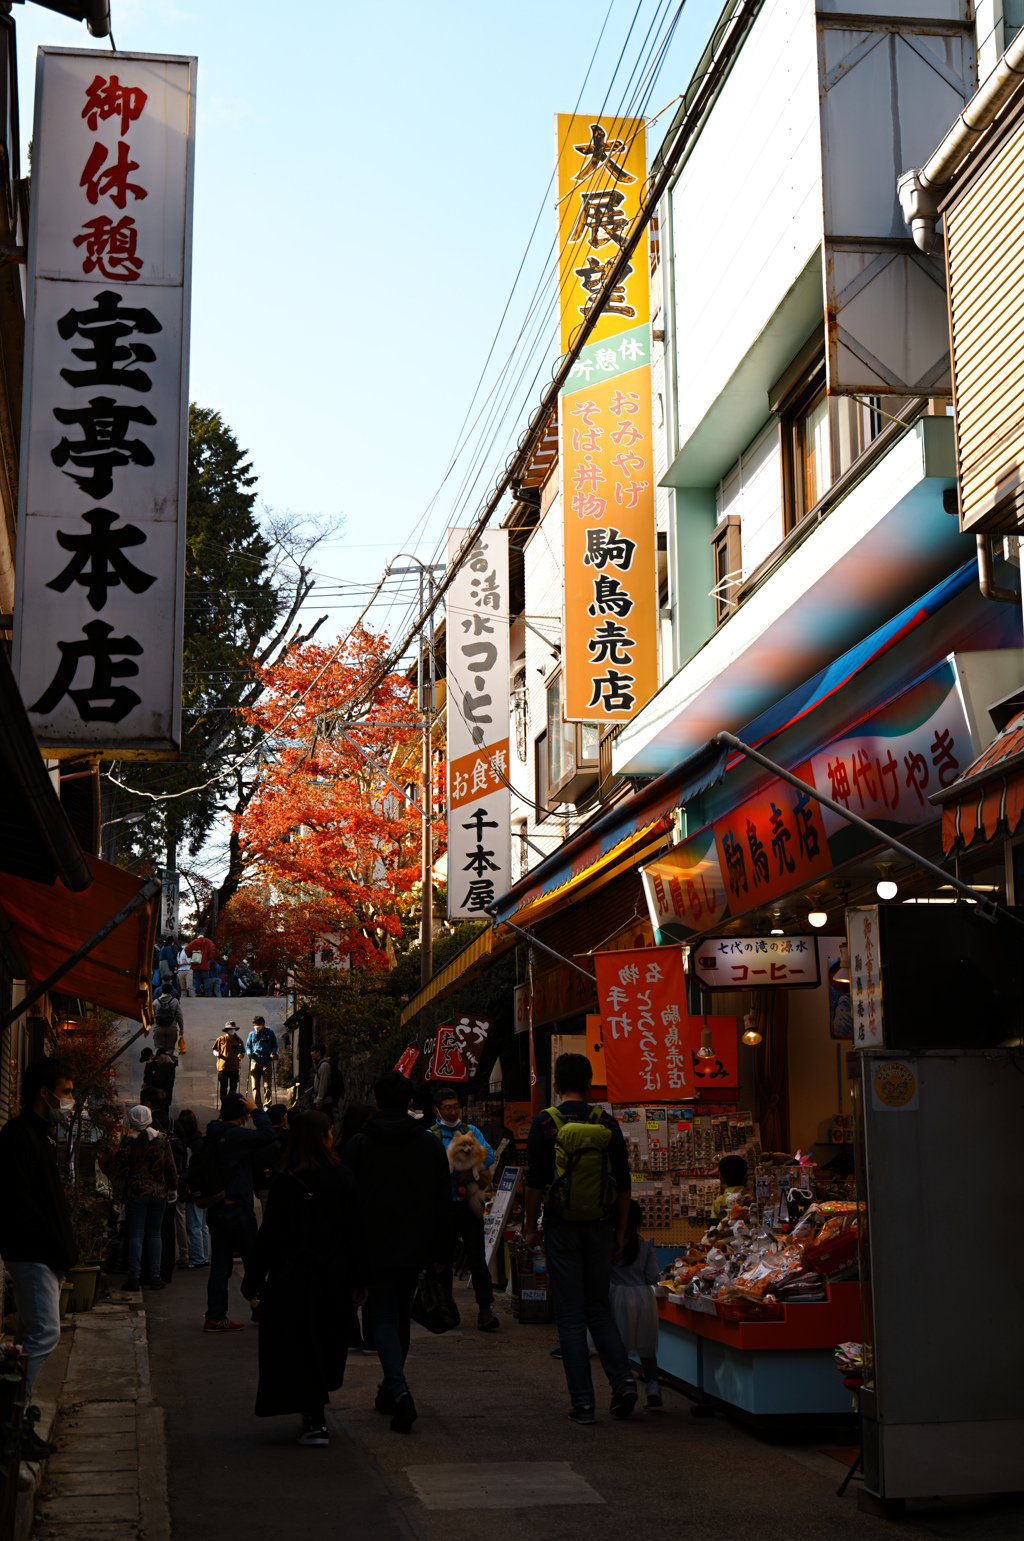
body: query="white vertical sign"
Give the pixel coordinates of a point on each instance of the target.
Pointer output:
(865, 977)
(101, 517)
(479, 843)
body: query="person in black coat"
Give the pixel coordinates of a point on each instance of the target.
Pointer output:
(306, 1268)
(405, 1188)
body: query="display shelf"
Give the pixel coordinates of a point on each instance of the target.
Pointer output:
(822, 1324)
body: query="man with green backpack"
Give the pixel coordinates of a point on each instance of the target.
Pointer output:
(578, 1164)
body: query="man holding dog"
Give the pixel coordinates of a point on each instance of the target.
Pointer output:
(466, 1224)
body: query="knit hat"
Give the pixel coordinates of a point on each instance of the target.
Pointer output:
(141, 1120)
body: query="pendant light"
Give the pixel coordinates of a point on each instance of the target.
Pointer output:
(751, 1036)
(706, 1050)
(839, 973)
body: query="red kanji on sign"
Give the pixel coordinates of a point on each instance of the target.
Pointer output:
(110, 181)
(447, 1063)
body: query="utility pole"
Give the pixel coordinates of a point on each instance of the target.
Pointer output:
(425, 677)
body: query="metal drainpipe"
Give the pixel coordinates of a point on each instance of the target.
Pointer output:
(986, 581)
(921, 191)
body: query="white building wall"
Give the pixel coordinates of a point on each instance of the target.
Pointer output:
(753, 489)
(747, 206)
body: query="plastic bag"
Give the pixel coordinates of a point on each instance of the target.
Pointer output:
(433, 1306)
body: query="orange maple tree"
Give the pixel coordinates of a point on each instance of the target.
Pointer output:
(330, 848)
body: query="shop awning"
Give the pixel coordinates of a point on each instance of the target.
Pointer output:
(988, 798)
(465, 964)
(602, 868)
(48, 923)
(36, 840)
(888, 540)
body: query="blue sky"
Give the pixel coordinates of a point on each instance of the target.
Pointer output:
(367, 178)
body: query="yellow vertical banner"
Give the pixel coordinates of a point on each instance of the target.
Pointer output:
(610, 588)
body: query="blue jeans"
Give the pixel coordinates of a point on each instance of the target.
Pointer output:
(232, 1229)
(579, 1261)
(37, 1297)
(390, 1301)
(144, 1218)
(198, 1234)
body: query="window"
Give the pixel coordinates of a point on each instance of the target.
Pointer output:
(540, 775)
(561, 735)
(728, 565)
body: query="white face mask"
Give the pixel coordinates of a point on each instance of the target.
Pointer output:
(449, 1123)
(63, 1111)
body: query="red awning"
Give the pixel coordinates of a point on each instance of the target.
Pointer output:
(51, 922)
(988, 798)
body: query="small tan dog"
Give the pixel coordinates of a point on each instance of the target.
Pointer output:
(466, 1157)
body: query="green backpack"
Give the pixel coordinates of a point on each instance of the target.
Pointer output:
(583, 1189)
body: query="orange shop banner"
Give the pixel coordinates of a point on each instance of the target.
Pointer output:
(610, 652)
(772, 843)
(650, 1040)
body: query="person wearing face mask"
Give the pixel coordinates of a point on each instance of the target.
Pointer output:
(36, 1240)
(465, 1223)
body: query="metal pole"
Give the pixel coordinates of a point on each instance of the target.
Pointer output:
(426, 681)
(146, 892)
(492, 910)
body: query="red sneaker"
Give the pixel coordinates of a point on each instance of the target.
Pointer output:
(210, 1325)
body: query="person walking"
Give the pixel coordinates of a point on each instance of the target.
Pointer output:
(201, 952)
(185, 975)
(261, 1047)
(167, 963)
(169, 1221)
(267, 1160)
(146, 1179)
(232, 1221)
(306, 1270)
(190, 1222)
(353, 1119)
(168, 1022)
(228, 1050)
(404, 1187)
(321, 1093)
(633, 1305)
(160, 1073)
(584, 1231)
(37, 1243)
(464, 1223)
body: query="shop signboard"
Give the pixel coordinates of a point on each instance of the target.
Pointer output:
(501, 1205)
(865, 976)
(781, 839)
(471, 1035)
(407, 1060)
(521, 1008)
(756, 962)
(101, 517)
(445, 1061)
(650, 1040)
(606, 460)
(479, 827)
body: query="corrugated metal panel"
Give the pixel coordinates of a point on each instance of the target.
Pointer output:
(985, 255)
(888, 90)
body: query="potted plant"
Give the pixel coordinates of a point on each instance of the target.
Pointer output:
(93, 1133)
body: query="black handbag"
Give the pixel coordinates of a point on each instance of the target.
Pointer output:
(433, 1306)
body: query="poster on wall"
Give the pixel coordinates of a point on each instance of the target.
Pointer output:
(606, 463)
(479, 798)
(651, 1043)
(101, 515)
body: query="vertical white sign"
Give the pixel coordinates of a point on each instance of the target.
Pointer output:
(479, 833)
(865, 977)
(101, 516)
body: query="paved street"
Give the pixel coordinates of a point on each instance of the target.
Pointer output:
(492, 1451)
(492, 1418)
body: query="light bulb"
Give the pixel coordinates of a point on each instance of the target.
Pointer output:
(752, 1037)
(777, 931)
(817, 918)
(886, 889)
(706, 1050)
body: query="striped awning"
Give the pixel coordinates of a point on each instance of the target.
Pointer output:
(469, 961)
(988, 799)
